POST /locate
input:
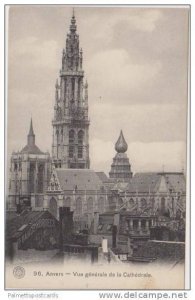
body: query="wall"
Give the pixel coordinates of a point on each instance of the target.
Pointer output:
(165, 250)
(97, 239)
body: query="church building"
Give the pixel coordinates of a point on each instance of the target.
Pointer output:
(66, 180)
(73, 184)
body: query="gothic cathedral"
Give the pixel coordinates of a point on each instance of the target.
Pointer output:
(70, 147)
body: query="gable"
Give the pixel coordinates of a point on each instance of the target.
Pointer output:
(162, 186)
(54, 184)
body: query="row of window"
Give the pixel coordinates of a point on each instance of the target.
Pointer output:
(72, 153)
(72, 136)
(90, 204)
(143, 202)
(135, 224)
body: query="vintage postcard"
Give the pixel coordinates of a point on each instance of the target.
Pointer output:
(97, 159)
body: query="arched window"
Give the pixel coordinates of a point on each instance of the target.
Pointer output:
(120, 201)
(53, 207)
(90, 205)
(131, 202)
(15, 166)
(143, 203)
(40, 178)
(67, 202)
(73, 87)
(32, 177)
(152, 203)
(78, 91)
(71, 141)
(57, 135)
(101, 204)
(178, 214)
(78, 209)
(62, 134)
(71, 136)
(80, 137)
(80, 143)
(71, 151)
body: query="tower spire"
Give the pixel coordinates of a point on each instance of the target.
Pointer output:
(31, 135)
(31, 131)
(71, 122)
(73, 26)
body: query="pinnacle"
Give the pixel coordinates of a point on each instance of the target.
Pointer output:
(31, 131)
(73, 22)
(121, 145)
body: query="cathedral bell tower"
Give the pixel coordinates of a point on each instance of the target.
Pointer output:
(70, 147)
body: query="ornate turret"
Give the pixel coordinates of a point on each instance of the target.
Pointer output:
(121, 168)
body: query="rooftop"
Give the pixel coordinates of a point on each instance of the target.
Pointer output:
(81, 179)
(15, 222)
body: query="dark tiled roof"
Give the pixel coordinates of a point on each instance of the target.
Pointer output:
(102, 176)
(82, 179)
(31, 149)
(14, 221)
(142, 182)
(176, 181)
(145, 182)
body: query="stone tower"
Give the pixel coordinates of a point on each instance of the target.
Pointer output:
(121, 168)
(70, 147)
(29, 174)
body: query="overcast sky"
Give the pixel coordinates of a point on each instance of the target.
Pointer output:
(135, 59)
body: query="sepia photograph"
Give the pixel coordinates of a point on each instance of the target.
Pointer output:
(97, 137)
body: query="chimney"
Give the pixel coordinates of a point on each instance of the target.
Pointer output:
(66, 225)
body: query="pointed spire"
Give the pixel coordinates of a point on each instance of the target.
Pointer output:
(31, 135)
(121, 145)
(73, 26)
(31, 131)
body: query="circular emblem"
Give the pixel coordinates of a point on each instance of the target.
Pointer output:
(19, 272)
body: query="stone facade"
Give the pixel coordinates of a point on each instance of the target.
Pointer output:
(81, 190)
(29, 175)
(162, 194)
